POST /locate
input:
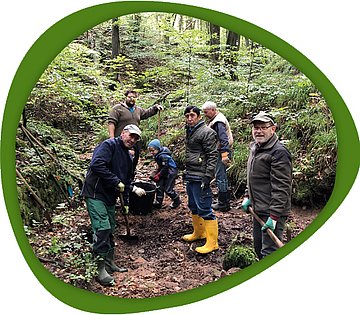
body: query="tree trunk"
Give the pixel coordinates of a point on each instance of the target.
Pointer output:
(115, 45)
(232, 47)
(214, 41)
(115, 39)
(233, 40)
(136, 22)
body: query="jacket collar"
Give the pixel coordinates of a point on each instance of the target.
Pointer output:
(191, 130)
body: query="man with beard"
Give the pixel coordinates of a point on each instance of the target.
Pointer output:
(127, 113)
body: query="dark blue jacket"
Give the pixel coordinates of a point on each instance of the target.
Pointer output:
(111, 163)
(165, 162)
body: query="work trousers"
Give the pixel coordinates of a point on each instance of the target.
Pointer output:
(199, 200)
(263, 244)
(103, 224)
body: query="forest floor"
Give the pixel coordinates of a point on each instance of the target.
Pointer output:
(159, 262)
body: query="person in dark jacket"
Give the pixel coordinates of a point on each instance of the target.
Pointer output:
(269, 175)
(220, 124)
(165, 174)
(108, 175)
(200, 165)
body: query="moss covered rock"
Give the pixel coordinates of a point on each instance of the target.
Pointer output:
(238, 256)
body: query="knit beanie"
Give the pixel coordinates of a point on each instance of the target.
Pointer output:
(155, 144)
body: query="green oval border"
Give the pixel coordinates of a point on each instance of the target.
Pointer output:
(45, 49)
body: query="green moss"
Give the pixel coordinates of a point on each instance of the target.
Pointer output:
(238, 256)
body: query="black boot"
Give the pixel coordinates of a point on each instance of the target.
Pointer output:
(176, 202)
(103, 277)
(110, 265)
(223, 203)
(157, 204)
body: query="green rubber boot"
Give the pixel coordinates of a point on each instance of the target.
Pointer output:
(110, 265)
(103, 277)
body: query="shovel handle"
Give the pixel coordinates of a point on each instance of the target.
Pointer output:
(272, 235)
(158, 122)
(127, 224)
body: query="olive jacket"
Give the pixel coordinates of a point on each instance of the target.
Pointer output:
(121, 115)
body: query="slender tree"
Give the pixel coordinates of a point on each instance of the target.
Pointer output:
(115, 39)
(232, 47)
(214, 41)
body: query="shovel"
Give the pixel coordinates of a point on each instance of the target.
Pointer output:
(272, 235)
(128, 235)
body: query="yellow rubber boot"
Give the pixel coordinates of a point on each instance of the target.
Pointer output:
(199, 229)
(211, 228)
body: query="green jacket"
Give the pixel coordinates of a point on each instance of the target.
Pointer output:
(201, 152)
(269, 175)
(120, 116)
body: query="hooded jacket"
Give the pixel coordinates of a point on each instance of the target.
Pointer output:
(269, 175)
(165, 162)
(110, 164)
(201, 152)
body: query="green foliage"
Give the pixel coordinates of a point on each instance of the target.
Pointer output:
(238, 256)
(66, 250)
(71, 90)
(48, 180)
(160, 52)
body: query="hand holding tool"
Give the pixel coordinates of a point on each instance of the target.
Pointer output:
(272, 235)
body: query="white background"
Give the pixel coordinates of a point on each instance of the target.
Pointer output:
(320, 276)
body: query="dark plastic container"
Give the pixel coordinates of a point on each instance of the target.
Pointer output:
(144, 204)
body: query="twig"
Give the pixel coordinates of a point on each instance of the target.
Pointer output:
(230, 167)
(36, 197)
(27, 134)
(48, 152)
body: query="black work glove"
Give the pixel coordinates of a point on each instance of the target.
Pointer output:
(205, 182)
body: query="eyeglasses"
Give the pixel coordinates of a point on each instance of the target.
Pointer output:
(262, 128)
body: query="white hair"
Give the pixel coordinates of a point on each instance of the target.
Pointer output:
(209, 105)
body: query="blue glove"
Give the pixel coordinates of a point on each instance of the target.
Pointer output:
(245, 204)
(270, 224)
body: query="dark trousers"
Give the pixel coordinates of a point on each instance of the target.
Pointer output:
(166, 185)
(263, 244)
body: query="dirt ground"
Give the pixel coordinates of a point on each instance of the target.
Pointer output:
(160, 263)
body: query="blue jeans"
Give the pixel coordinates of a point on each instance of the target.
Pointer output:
(220, 175)
(199, 200)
